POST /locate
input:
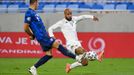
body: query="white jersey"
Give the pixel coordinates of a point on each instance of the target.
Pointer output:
(68, 29)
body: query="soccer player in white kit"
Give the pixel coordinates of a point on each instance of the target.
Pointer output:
(68, 28)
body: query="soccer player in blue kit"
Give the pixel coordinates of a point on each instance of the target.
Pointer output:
(35, 28)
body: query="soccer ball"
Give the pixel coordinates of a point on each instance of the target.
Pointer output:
(91, 55)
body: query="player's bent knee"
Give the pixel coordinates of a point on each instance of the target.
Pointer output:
(49, 53)
(56, 44)
(79, 51)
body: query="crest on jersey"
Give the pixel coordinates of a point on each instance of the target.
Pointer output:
(37, 17)
(28, 18)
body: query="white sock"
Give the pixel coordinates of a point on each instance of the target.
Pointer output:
(75, 64)
(78, 57)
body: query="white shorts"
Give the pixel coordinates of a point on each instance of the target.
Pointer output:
(71, 46)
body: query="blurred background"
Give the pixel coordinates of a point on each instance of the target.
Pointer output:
(20, 6)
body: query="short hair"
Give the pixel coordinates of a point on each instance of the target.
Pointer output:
(67, 9)
(32, 1)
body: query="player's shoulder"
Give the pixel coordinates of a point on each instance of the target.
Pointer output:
(29, 12)
(61, 21)
(74, 17)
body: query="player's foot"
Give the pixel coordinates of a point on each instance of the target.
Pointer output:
(100, 55)
(68, 69)
(32, 70)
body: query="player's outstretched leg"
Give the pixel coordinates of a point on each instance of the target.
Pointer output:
(66, 52)
(63, 50)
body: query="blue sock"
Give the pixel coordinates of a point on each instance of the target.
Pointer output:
(66, 52)
(43, 60)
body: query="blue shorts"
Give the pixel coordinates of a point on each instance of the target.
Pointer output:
(47, 43)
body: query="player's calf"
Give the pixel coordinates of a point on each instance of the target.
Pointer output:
(84, 61)
(63, 50)
(81, 52)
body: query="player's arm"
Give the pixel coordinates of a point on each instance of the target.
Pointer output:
(52, 28)
(28, 31)
(87, 17)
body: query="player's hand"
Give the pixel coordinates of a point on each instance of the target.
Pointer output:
(32, 37)
(95, 18)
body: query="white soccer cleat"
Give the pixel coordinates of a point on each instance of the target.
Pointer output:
(33, 70)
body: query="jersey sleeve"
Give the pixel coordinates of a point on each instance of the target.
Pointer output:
(50, 29)
(27, 18)
(78, 18)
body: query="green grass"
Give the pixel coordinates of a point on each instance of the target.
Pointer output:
(19, 66)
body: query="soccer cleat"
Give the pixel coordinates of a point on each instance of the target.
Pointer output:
(33, 71)
(100, 55)
(68, 69)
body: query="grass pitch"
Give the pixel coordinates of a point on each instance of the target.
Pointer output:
(19, 66)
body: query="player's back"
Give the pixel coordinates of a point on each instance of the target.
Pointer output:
(36, 24)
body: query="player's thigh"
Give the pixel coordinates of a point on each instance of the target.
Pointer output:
(79, 50)
(47, 43)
